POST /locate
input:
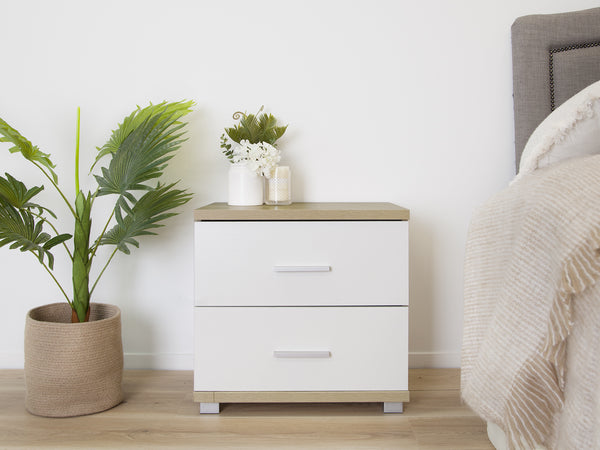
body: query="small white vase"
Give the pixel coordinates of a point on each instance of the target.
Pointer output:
(278, 189)
(245, 186)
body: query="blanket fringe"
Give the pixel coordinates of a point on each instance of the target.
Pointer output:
(531, 409)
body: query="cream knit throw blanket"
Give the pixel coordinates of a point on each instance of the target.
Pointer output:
(531, 251)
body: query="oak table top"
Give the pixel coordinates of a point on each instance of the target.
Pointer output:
(304, 211)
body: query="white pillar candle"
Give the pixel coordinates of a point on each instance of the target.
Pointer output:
(279, 191)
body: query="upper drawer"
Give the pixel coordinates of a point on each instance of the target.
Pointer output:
(301, 263)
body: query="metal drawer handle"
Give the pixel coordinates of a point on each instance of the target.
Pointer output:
(301, 268)
(301, 354)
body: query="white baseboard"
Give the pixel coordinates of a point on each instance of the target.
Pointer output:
(159, 361)
(434, 360)
(12, 360)
(185, 361)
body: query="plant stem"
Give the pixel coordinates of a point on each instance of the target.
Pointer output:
(56, 281)
(77, 152)
(103, 269)
(97, 244)
(56, 187)
(81, 256)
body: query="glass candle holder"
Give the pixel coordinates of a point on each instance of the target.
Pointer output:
(279, 187)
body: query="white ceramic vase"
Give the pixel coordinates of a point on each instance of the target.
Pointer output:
(245, 186)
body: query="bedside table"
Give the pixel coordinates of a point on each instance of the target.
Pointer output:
(301, 303)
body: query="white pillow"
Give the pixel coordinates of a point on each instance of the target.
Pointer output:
(571, 130)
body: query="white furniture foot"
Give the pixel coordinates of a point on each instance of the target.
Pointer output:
(209, 408)
(393, 407)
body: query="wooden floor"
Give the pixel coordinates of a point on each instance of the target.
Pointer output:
(159, 413)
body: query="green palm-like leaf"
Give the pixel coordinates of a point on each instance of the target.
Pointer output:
(142, 155)
(26, 148)
(271, 132)
(255, 129)
(14, 192)
(248, 129)
(136, 119)
(20, 229)
(144, 215)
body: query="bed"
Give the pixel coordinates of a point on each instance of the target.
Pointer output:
(531, 340)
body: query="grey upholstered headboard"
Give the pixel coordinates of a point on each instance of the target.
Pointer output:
(554, 57)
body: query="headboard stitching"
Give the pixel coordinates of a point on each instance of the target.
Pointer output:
(551, 63)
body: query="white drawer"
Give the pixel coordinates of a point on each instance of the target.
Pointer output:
(320, 348)
(301, 263)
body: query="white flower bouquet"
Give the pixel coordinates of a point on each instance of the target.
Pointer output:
(260, 158)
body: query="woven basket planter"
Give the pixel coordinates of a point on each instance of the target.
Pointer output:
(72, 369)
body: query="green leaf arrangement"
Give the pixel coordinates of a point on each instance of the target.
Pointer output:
(139, 151)
(253, 128)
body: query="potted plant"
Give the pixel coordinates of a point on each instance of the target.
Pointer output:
(73, 350)
(251, 148)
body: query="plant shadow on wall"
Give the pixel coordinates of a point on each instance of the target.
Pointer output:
(138, 152)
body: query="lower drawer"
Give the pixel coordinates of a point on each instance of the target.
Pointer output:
(301, 348)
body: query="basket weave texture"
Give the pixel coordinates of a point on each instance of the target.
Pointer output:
(72, 369)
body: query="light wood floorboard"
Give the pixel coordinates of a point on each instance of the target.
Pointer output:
(158, 412)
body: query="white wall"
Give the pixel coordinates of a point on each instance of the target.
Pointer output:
(387, 100)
